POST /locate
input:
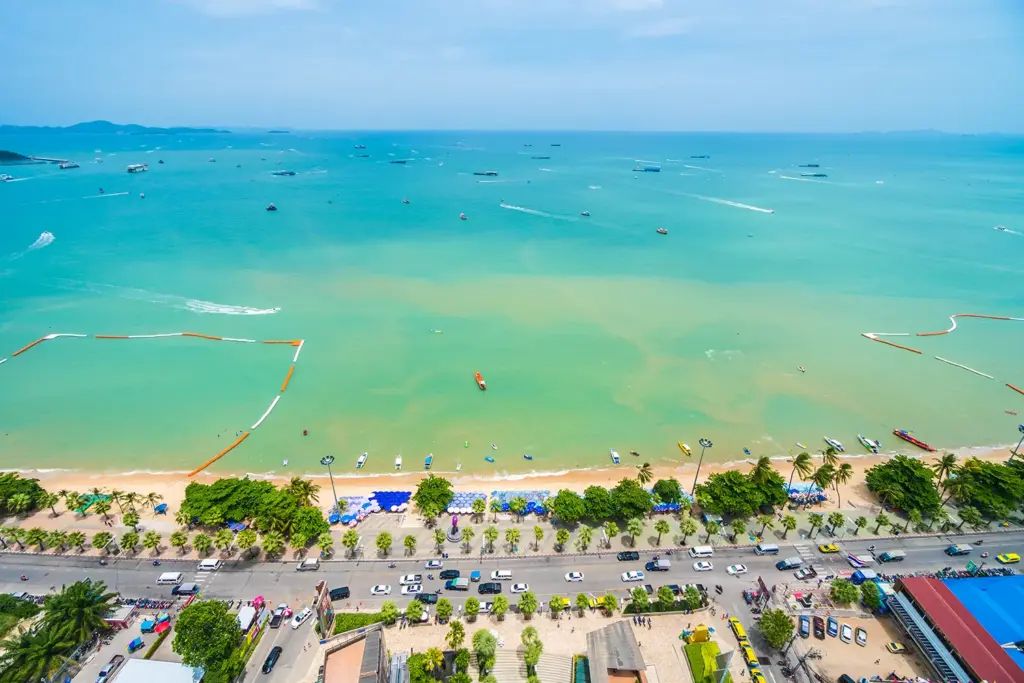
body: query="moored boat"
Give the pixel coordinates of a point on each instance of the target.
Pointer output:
(684, 448)
(488, 458)
(661, 231)
(462, 217)
(361, 461)
(137, 168)
(835, 444)
(398, 462)
(527, 456)
(67, 164)
(870, 444)
(480, 381)
(615, 456)
(906, 436)
(428, 461)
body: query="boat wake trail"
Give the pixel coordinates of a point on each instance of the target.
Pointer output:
(702, 168)
(535, 212)
(44, 240)
(180, 302)
(101, 196)
(1001, 228)
(805, 180)
(727, 202)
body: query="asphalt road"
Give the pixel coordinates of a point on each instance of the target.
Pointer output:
(280, 582)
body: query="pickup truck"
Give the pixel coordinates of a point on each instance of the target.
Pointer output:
(107, 671)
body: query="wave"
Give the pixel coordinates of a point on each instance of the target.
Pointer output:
(180, 302)
(728, 202)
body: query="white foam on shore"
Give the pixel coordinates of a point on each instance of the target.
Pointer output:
(727, 202)
(172, 300)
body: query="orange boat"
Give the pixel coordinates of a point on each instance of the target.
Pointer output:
(480, 380)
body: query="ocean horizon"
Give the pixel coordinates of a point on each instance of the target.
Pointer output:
(592, 332)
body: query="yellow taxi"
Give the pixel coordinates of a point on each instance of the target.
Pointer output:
(828, 548)
(750, 657)
(1008, 558)
(737, 629)
(896, 648)
(756, 676)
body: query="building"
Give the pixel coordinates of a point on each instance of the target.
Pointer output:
(613, 655)
(120, 617)
(151, 671)
(949, 630)
(359, 656)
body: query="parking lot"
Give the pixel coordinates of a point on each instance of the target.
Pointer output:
(873, 659)
(119, 646)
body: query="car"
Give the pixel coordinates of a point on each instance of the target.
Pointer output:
(632, 576)
(828, 548)
(736, 569)
(426, 598)
(382, 589)
(574, 577)
(277, 617)
(833, 627)
(1008, 558)
(520, 587)
(490, 588)
(411, 579)
(485, 607)
(271, 660)
(628, 556)
(300, 618)
(649, 588)
(414, 589)
(702, 566)
(862, 637)
(819, 628)
(340, 593)
(106, 671)
(757, 676)
(676, 590)
(896, 648)
(448, 574)
(433, 564)
(805, 627)
(805, 573)
(846, 633)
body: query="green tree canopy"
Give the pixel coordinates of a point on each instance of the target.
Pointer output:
(599, 504)
(568, 506)
(78, 610)
(776, 627)
(12, 484)
(993, 488)
(309, 522)
(870, 595)
(433, 495)
(843, 592)
(668, 490)
(906, 484)
(631, 500)
(237, 499)
(729, 493)
(641, 602)
(206, 634)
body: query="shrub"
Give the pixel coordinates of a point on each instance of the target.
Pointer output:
(348, 621)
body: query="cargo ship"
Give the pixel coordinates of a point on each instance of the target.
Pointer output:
(906, 436)
(480, 381)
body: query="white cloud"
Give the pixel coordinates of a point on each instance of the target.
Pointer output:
(237, 8)
(661, 29)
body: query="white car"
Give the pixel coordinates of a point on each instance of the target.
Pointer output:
(414, 589)
(433, 564)
(300, 618)
(702, 566)
(486, 607)
(846, 633)
(520, 587)
(632, 576)
(574, 577)
(410, 579)
(382, 589)
(736, 569)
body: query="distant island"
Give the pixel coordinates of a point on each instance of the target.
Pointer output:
(7, 157)
(279, 132)
(108, 128)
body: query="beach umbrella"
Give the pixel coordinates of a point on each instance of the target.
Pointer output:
(162, 626)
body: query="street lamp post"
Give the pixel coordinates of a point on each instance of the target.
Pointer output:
(327, 461)
(1020, 428)
(704, 445)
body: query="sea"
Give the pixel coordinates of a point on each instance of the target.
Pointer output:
(742, 325)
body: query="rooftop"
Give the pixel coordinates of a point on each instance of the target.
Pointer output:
(354, 661)
(613, 648)
(151, 671)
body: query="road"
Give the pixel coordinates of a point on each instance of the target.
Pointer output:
(280, 582)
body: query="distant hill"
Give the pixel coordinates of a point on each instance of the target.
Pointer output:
(13, 158)
(279, 132)
(108, 128)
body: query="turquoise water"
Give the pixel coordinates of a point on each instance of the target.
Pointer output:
(593, 333)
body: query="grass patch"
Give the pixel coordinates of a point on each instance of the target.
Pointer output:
(348, 621)
(701, 658)
(156, 644)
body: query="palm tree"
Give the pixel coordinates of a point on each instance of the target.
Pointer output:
(584, 537)
(766, 522)
(823, 476)
(634, 527)
(611, 530)
(117, 496)
(76, 539)
(434, 659)
(102, 507)
(561, 538)
(840, 477)
(816, 520)
(223, 540)
(738, 526)
(943, 466)
(881, 519)
(712, 528)
(202, 543)
(151, 541)
(48, 500)
(303, 491)
(512, 537)
(439, 537)
(940, 516)
(19, 503)
(479, 507)
(762, 470)
(662, 527)
(956, 487)
(102, 541)
(835, 519)
(913, 517)
(644, 474)
(35, 654)
(325, 543)
(273, 543)
(299, 543)
(57, 539)
(456, 635)
(78, 610)
(491, 535)
(183, 518)
(36, 536)
(245, 540)
(179, 539)
(495, 507)
(467, 538)
(98, 492)
(538, 536)
(803, 465)
(152, 499)
(73, 502)
(131, 518)
(788, 524)
(130, 541)
(859, 524)
(409, 543)
(970, 515)
(384, 543)
(131, 500)
(518, 506)
(830, 456)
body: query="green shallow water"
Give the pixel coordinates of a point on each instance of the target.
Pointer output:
(593, 333)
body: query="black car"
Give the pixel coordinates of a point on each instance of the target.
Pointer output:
(676, 590)
(490, 588)
(448, 574)
(275, 654)
(649, 588)
(628, 556)
(819, 628)
(340, 593)
(426, 598)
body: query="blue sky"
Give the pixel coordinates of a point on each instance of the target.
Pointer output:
(743, 65)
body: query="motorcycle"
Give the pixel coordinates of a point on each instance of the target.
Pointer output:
(156, 563)
(391, 565)
(430, 577)
(24, 578)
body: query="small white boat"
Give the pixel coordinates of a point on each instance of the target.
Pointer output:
(494, 447)
(361, 461)
(458, 468)
(834, 444)
(615, 456)
(284, 463)
(4, 177)
(398, 462)
(67, 164)
(800, 445)
(871, 444)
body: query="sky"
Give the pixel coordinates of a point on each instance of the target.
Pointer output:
(689, 65)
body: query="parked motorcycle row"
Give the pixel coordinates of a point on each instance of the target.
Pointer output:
(146, 603)
(951, 573)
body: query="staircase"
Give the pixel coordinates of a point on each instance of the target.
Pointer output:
(911, 622)
(509, 667)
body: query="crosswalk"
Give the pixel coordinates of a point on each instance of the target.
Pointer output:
(811, 558)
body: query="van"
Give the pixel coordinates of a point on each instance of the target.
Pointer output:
(892, 556)
(185, 589)
(210, 565)
(310, 564)
(737, 628)
(766, 549)
(789, 563)
(170, 579)
(501, 575)
(701, 551)
(458, 585)
(959, 549)
(659, 565)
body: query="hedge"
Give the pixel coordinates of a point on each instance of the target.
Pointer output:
(348, 621)
(156, 644)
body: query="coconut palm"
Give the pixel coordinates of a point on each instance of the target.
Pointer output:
(245, 540)
(57, 539)
(48, 500)
(479, 507)
(788, 524)
(881, 519)
(77, 539)
(762, 470)
(182, 518)
(467, 537)
(561, 538)
(102, 541)
(634, 527)
(102, 507)
(130, 541)
(299, 543)
(841, 476)
(512, 537)
(495, 507)
(662, 527)
(970, 515)
(738, 527)
(766, 522)
(583, 538)
(223, 540)
(118, 497)
(940, 516)
(151, 541)
(538, 536)
(79, 610)
(36, 536)
(859, 524)
(803, 465)
(456, 635)
(835, 519)
(19, 503)
(131, 500)
(98, 492)
(822, 476)
(7, 534)
(325, 543)
(131, 518)
(273, 543)
(202, 543)
(439, 537)
(434, 659)
(384, 543)
(687, 526)
(152, 499)
(73, 502)
(644, 474)
(816, 520)
(955, 487)
(943, 466)
(914, 517)
(35, 654)
(491, 535)
(303, 491)
(179, 539)
(518, 506)
(830, 456)
(712, 528)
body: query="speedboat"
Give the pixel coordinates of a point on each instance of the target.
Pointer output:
(283, 173)
(1000, 227)
(160, 162)
(361, 461)
(615, 456)
(462, 216)
(635, 454)
(684, 448)
(906, 436)
(800, 445)
(271, 207)
(809, 165)
(4, 177)
(814, 175)
(488, 458)
(527, 456)
(494, 446)
(67, 164)
(405, 201)
(480, 381)
(458, 467)
(486, 173)
(398, 462)
(360, 147)
(870, 444)
(428, 461)
(834, 444)
(584, 213)
(699, 156)
(661, 231)
(211, 160)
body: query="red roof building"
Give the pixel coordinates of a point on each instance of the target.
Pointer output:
(973, 648)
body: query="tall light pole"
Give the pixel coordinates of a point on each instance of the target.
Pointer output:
(704, 445)
(1020, 428)
(327, 461)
